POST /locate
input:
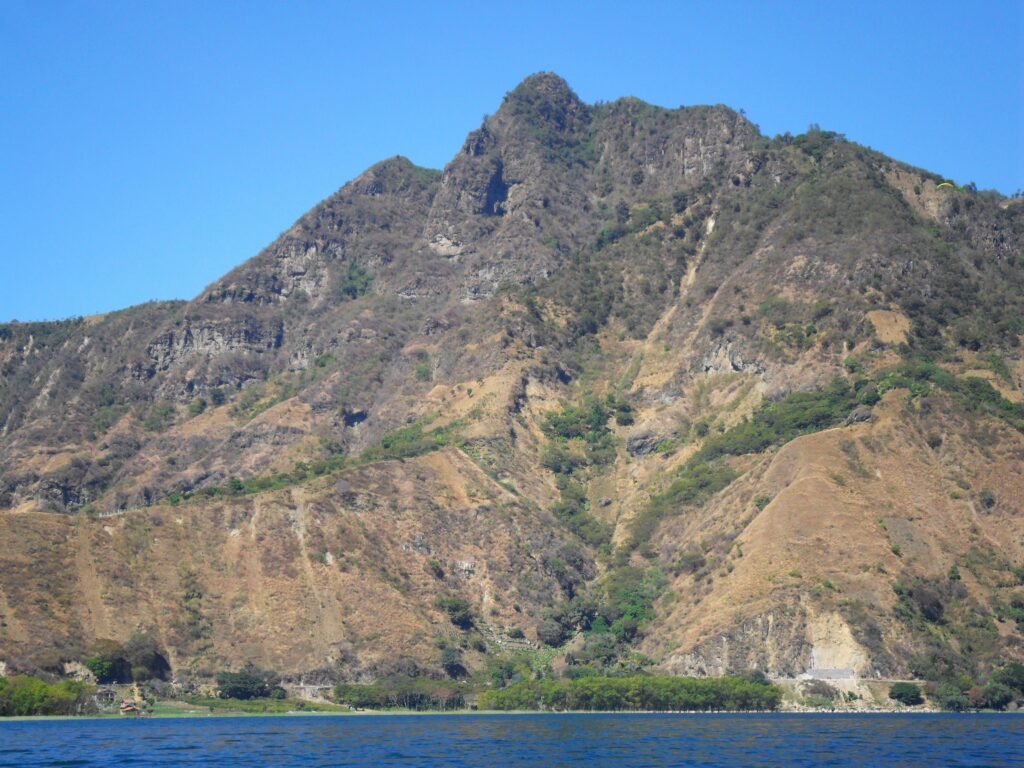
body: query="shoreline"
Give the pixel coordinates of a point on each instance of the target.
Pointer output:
(489, 713)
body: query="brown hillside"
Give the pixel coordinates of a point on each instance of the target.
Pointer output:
(640, 381)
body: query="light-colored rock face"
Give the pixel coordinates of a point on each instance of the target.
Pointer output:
(672, 263)
(78, 671)
(180, 347)
(445, 246)
(772, 642)
(834, 652)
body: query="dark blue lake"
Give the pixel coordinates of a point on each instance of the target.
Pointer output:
(546, 740)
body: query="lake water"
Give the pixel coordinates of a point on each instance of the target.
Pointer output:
(510, 740)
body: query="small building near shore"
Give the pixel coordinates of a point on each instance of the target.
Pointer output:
(130, 707)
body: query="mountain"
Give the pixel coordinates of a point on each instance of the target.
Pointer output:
(639, 384)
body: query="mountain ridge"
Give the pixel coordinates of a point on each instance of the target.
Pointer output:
(589, 369)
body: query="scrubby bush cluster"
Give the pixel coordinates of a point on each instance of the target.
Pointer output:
(610, 615)
(958, 693)
(973, 393)
(354, 283)
(579, 438)
(587, 423)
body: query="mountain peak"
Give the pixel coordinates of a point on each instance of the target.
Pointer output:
(548, 84)
(545, 98)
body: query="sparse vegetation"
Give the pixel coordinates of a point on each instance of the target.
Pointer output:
(694, 484)
(579, 437)
(573, 510)
(974, 394)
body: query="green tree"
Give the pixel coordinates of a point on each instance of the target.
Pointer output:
(906, 693)
(1012, 676)
(22, 696)
(657, 694)
(550, 632)
(458, 611)
(451, 662)
(101, 668)
(108, 663)
(250, 683)
(951, 697)
(996, 695)
(147, 658)
(355, 283)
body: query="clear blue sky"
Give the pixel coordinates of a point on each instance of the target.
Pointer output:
(148, 147)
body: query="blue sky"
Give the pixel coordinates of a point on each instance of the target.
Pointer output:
(148, 147)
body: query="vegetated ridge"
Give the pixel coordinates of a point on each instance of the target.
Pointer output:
(622, 388)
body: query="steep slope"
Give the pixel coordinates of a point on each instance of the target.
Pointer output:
(637, 380)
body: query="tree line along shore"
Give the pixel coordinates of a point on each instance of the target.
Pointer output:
(251, 691)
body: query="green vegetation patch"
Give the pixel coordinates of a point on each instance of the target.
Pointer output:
(354, 283)
(251, 485)
(694, 484)
(958, 693)
(587, 422)
(142, 658)
(412, 441)
(975, 394)
(706, 473)
(22, 696)
(630, 594)
(572, 509)
(579, 437)
(255, 400)
(415, 693)
(906, 693)
(638, 693)
(401, 444)
(458, 610)
(798, 414)
(249, 683)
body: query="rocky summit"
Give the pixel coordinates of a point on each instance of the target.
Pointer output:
(621, 388)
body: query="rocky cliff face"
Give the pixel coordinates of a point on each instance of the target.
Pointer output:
(745, 402)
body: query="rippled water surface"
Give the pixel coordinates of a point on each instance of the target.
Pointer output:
(510, 740)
